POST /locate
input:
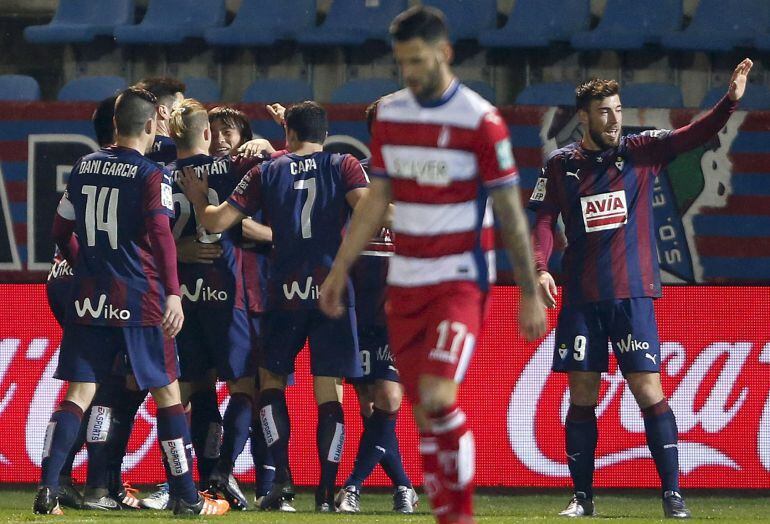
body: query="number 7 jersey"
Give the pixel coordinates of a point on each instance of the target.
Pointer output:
(109, 193)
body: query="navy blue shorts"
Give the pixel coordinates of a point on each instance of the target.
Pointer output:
(583, 330)
(216, 339)
(376, 359)
(59, 292)
(88, 354)
(333, 342)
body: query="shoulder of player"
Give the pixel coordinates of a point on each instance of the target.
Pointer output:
(395, 102)
(556, 159)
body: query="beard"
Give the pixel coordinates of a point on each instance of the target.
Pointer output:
(430, 88)
(598, 137)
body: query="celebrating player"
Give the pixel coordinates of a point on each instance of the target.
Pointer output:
(169, 92)
(125, 298)
(438, 151)
(603, 188)
(306, 196)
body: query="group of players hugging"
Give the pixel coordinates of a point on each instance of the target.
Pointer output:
(223, 263)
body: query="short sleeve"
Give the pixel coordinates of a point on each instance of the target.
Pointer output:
(247, 194)
(497, 166)
(158, 194)
(65, 209)
(353, 174)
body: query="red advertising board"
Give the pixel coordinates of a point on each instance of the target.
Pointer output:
(716, 373)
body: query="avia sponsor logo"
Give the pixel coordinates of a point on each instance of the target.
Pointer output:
(175, 455)
(99, 424)
(427, 172)
(604, 211)
(203, 293)
(102, 310)
(309, 291)
(630, 344)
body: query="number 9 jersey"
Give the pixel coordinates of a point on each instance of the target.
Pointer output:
(109, 193)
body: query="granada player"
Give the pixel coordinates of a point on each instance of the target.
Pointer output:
(125, 297)
(602, 186)
(439, 150)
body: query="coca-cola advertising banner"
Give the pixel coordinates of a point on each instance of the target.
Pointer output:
(715, 366)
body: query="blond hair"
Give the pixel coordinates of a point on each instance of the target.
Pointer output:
(188, 119)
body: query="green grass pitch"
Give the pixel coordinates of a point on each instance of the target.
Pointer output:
(498, 507)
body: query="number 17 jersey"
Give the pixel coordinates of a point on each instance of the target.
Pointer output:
(109, 193)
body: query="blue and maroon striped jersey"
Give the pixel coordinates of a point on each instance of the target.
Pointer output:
(219, 284)
(109, 193)
(163, 150)
(605, 199)
(303, 201)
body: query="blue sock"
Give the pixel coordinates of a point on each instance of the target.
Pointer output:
(330, 437)
(371, 447)
(276, 429)
(662, 437)
(264, 465)
(60, 434)
(205, 432)
(235, 430)
(80, 440)
(174, 438)
(98, 434)
(581, 435)
(391, 462)
(124, 407)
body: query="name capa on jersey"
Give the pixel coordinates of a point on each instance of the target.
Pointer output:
(105, 167)
(303, 166)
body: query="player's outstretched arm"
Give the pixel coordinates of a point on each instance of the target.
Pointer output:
(506, 203)
(214, 218)
(368, 217)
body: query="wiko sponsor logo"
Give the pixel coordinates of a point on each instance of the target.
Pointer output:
(630, 344)
(99, 424)
(203, 293)
(310, 291)
(176, 457)
(102, 309)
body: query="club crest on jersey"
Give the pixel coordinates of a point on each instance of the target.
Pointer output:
(443, 137)
(619, 163)
(604, 211)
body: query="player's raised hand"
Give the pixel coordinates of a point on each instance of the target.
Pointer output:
(548, 289)
(277, 111)
(195, 189)
(173, 316)
(330, 294)
(256, 147)
(738, 81)
(531, 316)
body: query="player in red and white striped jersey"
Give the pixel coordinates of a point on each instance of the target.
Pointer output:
(439, 151)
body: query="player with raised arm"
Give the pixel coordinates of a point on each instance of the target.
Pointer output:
(603, 188)
(125, 298)
(306, 196)
(439, 150)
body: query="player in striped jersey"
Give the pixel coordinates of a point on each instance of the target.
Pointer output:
(169, 92)
(439, 151)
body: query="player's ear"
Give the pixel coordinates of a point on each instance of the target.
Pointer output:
(447, 52)
(583, 117)
(207, 134)
(149, 126)
(163, 112)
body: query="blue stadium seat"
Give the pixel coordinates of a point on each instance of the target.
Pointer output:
(482, 88)
(81, 21)
(353, 22)
(651, 94)
(721, 25)
(467, 19)
(276, 21)
(171, 21)
(283, 91)
(630, 24)
(363, 91)
(547, 94)
(538, 23)
(756, 97)
(91, 88)
(202, 89)
(18, 88)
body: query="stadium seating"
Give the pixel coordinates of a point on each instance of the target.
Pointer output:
(283, 91)
(353, 22)
(467, 18)
(756, 97)
(721, 25)
(363, 91)
(482, 88)
(171, 21)
(547, 94)
(539, 23)
(263, 22)
(651, 94)
(202, 89)
(91, 88)
(81, 21)
(630, 24)
(18, 88)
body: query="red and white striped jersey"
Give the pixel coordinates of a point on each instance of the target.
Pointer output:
(441, 160)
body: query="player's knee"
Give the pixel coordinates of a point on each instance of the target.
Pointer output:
(646, 388)
(584, 387)
(270, 380)
(81, 393)
(327, 389)
(388, 395)
(436, 393)
(166, 396)
(244, 385)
